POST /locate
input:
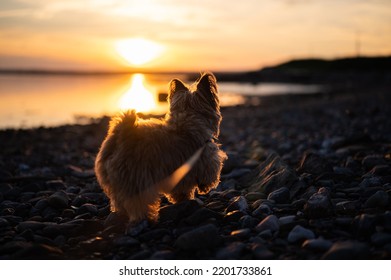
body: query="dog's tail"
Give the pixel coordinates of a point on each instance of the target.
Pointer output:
(123, 123)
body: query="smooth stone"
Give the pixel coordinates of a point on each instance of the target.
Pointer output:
(231, 252)
(253, 196)
(55, 185)
(318, 245)
(299, 233)
(372, 160)
(5, 188)
(234, 216)
(365, 224)
(33, 225)
(281, 195)
(319, 204)
(248, 222)
(163, 255)
(87, 208)
(314, 164)
(39, 252)
(380, 239)
(154, 234)
(237, 203)
(201, 215)
(204, 237)
(377, 200)
(125, 241)
(236, 173)
(241, 233)
(370, 182)
(269, 223)
(262, 210)
(3, 222)
(286, 220)
(260, 252)
(346, 207)
(58, 200)
(347, 250)
(135, 229)
(178, 211)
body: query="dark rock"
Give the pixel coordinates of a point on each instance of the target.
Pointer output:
(236, 173)
(115, 218)
(231, 163)
(68, 213)
(370, 182)
(262, 211)
(141, 255)
(317, 245)
(365, 224)
(253, 196)
(58, 200)
(269, 176)
(39, 252)
(314, 164)
(260, 252)
(79, 201)
(281, 195)
(269, 223)
(3, 222)
(135, 229)
(248, 222)
(125, 241)
(372, 160)
(155, 234)
(163, 255)
(201, 215)
(287, 220)
(346, 207)
(347, 250)
(231, 252)
(55, 185)
(319, 204)
(204, 237)
(377, 200)
(380, 239)
(241, 233)
(299, 234)
(237, 203)
(87, 208)
(179, 211)
(22, 226)
(234, 216)
(5, 188)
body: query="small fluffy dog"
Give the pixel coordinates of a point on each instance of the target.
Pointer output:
(138, 156)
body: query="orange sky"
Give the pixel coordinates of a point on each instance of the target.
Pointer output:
(194, 35)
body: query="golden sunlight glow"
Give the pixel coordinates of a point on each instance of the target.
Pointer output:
(138, 51)
(137, 97)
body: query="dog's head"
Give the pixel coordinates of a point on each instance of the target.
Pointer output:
(200, 101)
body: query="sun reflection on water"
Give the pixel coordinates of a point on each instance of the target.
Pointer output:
(138, 96)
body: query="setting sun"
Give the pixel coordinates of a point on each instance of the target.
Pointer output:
(137, 97)
(138, 51)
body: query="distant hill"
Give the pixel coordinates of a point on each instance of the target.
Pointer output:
(319, 71)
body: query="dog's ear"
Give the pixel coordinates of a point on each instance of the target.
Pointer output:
(177, 85)
(207, 83)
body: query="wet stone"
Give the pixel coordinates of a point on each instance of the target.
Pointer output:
(231, 252)
(237, 203)
(299, 234)
(347, 250)
(58, 200)
(281, 195)
(248, 222)
(379, 199)
(204, 237)
(317, 245)
(234, 216)
(241, 233)
(269, 223)
(319, 204)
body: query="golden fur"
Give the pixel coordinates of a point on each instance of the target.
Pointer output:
(137, 154)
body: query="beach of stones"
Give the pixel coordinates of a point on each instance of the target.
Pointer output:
(306, 178)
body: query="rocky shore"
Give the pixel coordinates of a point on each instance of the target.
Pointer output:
(306, 178)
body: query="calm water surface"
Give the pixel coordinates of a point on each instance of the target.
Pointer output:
(48, 100)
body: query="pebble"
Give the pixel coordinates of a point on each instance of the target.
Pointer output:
(179, 211)
(379, 199)
(281, 195)
(260, 252)
(365, 224)
(163, 255)
(241, 233)
(201, 215)
(237, 203)
(125, 241)
(269, 223)
(318, 245)
(247, 221)
(204, 237)
(58, 200)
(262, 211)
(380, 239)
(233, 251)
(372, 160)
(136, 229)
(319, 204)
(299, 234)
(87, 208)
(347, 250)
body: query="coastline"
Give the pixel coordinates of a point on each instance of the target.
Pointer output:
(308, 177)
